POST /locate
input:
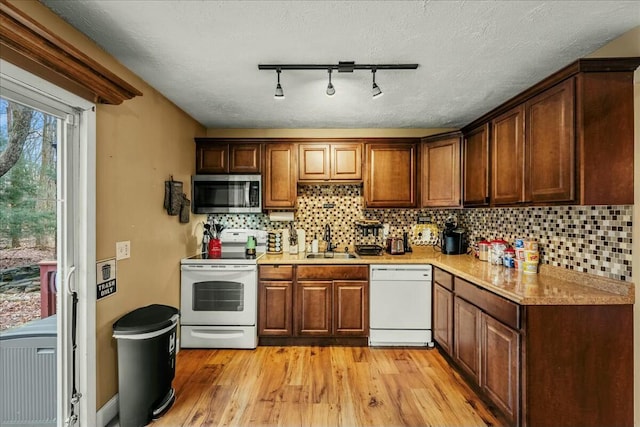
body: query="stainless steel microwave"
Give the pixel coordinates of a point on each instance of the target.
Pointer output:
(226, 194)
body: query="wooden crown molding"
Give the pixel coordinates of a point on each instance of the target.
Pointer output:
(28, 44)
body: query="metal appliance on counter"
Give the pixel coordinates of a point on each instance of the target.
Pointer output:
(453, 240)
(218, 296)
(400, 305)
(368, 233)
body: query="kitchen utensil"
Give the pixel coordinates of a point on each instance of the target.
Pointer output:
(369, 249)
(395, 246)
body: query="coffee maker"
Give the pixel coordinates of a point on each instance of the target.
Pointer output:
(453, 240)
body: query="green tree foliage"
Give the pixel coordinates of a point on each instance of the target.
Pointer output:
(27, 190)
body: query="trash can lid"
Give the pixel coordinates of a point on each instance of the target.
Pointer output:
(145, 319)
(46, 327)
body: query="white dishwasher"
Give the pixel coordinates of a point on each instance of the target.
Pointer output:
(400, 305)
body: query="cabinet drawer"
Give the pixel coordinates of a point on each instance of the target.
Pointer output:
(276, 272)
(505, 311)
(333, 272)
(443, 278)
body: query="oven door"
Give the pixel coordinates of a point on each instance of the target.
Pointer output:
(218, 295)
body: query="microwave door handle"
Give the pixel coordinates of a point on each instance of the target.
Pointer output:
(247, 187)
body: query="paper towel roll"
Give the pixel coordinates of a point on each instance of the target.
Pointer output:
(281, 216)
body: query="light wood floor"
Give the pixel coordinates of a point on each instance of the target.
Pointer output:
(321, 386)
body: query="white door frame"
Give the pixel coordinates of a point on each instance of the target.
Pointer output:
(82, 161)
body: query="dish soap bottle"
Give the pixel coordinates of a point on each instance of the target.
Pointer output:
(314, 244)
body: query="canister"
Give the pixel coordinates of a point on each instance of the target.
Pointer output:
(497, 250)
(532, 257)
(518, 243)
(530, 245)
(484, 248)
(520, 254)
(508, 259)
(530, 268)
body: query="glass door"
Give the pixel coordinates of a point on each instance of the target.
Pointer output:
(35, 109)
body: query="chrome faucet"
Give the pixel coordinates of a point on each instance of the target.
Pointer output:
(327, 238)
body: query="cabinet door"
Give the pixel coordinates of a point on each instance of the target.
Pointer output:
(443, 317)
(313, 308)
(507, 158)
(500, 365)
(244, 158)
(351, 308)
(391, 176)
(551, 145)
(313, 162)
(275, 308)
(476, 167)
(212, 158)
(280, 171)
(466, 340)
(346, 162)
(441, 173)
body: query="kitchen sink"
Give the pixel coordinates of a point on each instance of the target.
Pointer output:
(334, 255)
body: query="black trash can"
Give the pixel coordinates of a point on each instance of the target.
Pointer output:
(146, 339)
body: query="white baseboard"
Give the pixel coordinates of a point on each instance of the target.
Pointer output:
(108, 412)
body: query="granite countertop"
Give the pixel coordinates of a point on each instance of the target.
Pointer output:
(551, 286)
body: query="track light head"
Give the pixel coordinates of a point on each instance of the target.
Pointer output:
(330, 89)
(375, 89)
(279, 92)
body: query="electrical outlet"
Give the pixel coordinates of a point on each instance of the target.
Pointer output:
(123, 250)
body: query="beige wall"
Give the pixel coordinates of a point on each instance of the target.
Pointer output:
(140, 143)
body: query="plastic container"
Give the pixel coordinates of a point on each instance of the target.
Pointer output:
(484, 248)
(497, 250)
(508, 259)
(314, 244)
(532, 257)
(146, 343)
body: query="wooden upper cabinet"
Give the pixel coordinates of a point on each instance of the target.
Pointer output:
(216, 156)
(244, 158)
(550, 145)
(279, 178)
(212, 158)
(313, 162)
(346, 161)
(605, 129)
(330, 162)
(440, 172)
(476, 167)
(390, 180)
(507, 158)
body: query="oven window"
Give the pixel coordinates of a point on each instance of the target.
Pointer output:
(218, 296)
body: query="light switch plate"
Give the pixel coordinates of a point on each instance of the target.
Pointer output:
(123, 250)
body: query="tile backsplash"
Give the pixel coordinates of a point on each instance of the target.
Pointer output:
(590, 239)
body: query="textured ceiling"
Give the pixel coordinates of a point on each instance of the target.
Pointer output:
(473, 55)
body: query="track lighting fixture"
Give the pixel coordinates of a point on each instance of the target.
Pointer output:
(375, 89)
(330, 89)
(342, 67)
(279, 92)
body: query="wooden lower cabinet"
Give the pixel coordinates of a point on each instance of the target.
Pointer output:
(466, 347)
(308, 302)
(500, 365)
(275, 308)
(275, 300)
(541, 365)
(313, 308)
(351, 308)
(443, 317)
